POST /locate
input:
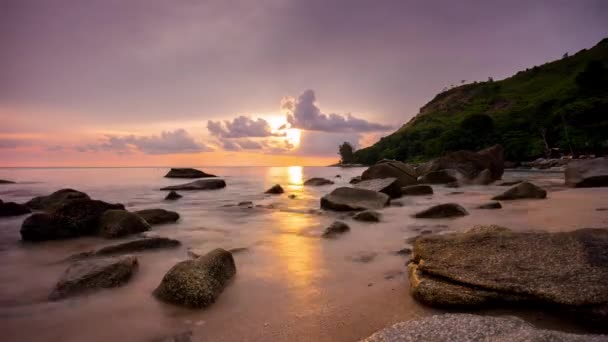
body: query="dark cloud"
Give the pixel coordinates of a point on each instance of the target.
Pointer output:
(240, 127)
(305, 114)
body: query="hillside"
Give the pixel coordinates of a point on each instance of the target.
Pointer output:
(559, 105)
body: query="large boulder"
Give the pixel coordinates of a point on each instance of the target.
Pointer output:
(469, 163)
(13, 209)
(317, 181)
(158, 216)
(521, 191)
(417, 190)
(491, 265)
(405, 174)
(389, 186)
(118, 223)
(201, 184)
(439, 177)
(587, 173)
(139, 245)
(56, 199)
(442, 211)
(187, 173)
(197, 283)
(89, 275)
(346, 199)
(460, 327)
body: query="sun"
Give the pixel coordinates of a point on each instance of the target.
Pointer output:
(292, 135)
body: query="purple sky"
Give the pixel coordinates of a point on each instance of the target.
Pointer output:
(137, 65)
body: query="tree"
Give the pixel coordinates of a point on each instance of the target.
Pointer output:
(346, 153)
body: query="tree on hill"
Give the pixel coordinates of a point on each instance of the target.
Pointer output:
(346, 152)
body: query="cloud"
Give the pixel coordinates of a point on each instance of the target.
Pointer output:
(178, 141)
(240, 127)
(325, 144)
(304, 114)
(241, 144)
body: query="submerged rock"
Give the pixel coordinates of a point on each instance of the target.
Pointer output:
(335, 229)
(187, 173)
(405, 174)
(587, 173)
(521, 191)
(389, 186)
(491, 265)
(13, 209)
(416, 190)
(440, 177)
(318, 182)
(490, 205)
(367, 216)
(56, 199)
(118, 223)
(94, 274)
(275, 190)
(158, 216)
(201, 184)
(198, 282)
(134, 246)
(459, 327)
(442, 211)
(345, 199)
(172, 196)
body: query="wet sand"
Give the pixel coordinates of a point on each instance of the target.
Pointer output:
(291, 285)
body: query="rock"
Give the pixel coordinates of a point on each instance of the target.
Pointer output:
(468, 163)
(88, 275)
(345, 199)
(4, 181)
(247, 204)
(416, 190)
(118, 223)
(440, 177)
(187, 173)
(490, 265)
(201, 184)
(134, 246)
(275, 190)
(172, 196)
(367, 216)
(490, 205)
(197, 283)
(405, 174)
(13, 209)
(389, 186)
(336, 228)
(403, 251)
(442, 211)
(587, 173)
(73, 218)
(318, 181)
(158, 216)
(460, 327)
(56, 199)
(355, 180)
(483, 178)
(338, 176)
(521, 191)
(292, 196)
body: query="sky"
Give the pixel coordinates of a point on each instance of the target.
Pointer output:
(265, 82)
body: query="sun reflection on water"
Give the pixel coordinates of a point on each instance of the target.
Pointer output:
(295, 176)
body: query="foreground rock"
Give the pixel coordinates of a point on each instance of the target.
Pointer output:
(521, 191)
(470, 164)
(197, 283)
(4, 181)
(566, 270)
(445, 210)
(318, 182)
(56, 199)
(201, 184)
(416, 190)
(275, 190)
(466, 328)
(13, 209)
(587, 173)
(139, 245)
(118, 223)
(405, 174)
(187, 173)
(389, 186)
(367, 216)
(173, 196)
(346, 199)
(74, 218)
(158, 216)
(335, 229)
(89, 275)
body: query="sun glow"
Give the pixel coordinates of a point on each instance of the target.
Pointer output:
(292, 135)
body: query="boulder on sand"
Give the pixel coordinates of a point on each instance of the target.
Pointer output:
(13, 209)
(442, 211)
(317, 181)
(468, 163)
(460, 327)
(417, 190)
(139, 245)
(197, 283)
(158, 216)
(405, 174)
(56, 199)
(172, 196)
(520, 191)
(275, 190)
(346, 199)
(440, 177)
(118, 223)
(389, 186)
(587, 173)
(336, 228)
(201, 184)
(187, 173)
(367, 216)
(85, 276)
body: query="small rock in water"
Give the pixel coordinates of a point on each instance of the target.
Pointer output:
(317, 182)
(336, 228)
(4, 181)
(442, 211)
(158, 216)
(118, 223)
(601, 209)
(246, 204)
(201, 184)
(521, 191)
(172, 196)
(367, 216)
(292, 196)
(187, 173)
(275, 190)
(490, 205)
(355, 180)
(404, 251)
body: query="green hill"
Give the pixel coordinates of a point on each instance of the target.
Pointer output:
(561, 104)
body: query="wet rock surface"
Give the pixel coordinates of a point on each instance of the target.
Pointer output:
(367, 216)
(275, 190)
(445, 210)
(417, 190)
(346, 199)
(405, 174)
(158, 216)
(56, 199)
(139, 245)
(201, 184)
(389, 186)
(587, 173)
(118, 223)
(318, 182)
(522, 190)
(13, 209)
(173, 196)
(440, 177)
(187, 173)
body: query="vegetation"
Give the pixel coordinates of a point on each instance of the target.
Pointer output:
(559, 105)
(346, 152)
